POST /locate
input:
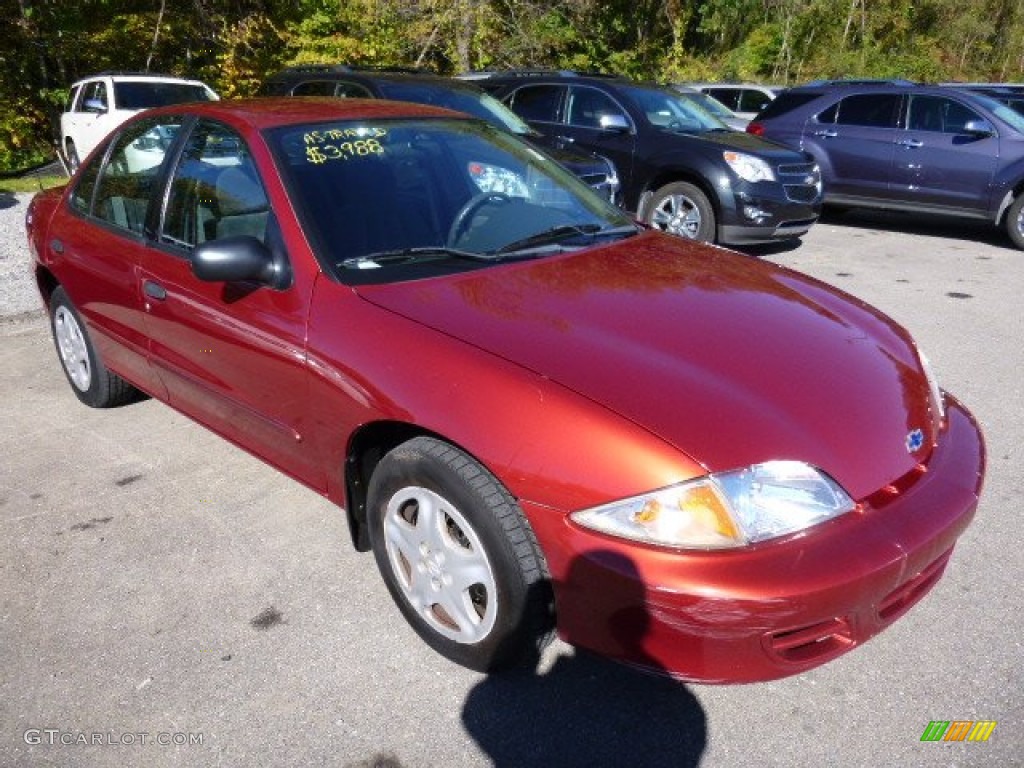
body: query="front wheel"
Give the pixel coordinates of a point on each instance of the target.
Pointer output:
(1015, 221)
(682, 209)
(458, 556)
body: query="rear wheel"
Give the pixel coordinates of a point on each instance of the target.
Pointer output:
(1015, 221)
(458, 556)
(682, 209)
(90, 380)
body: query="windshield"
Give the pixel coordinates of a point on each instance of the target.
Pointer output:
(461, 99)
(1004, 112)
(667, 109)
(386, 200)
(147, 94)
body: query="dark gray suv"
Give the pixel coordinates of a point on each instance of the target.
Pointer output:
(929, 149)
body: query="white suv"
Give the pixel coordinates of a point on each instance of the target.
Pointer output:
(745, 99)
(98, 104)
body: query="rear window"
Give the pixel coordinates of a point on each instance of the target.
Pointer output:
(785, 102)
(871, 110)
(145, 95)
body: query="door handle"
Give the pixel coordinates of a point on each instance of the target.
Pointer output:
(910, 143)
(566, 139)
(827, 134)
(154, 290)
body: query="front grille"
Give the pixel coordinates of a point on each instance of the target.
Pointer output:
(801, 181)
(802, 193)
(601, 182)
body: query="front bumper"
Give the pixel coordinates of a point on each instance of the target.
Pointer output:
(767, 211)
(774, 609)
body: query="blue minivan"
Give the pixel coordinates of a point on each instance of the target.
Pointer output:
(929, 149)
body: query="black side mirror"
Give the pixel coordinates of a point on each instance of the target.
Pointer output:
(614, 123)
(236, 259)
(94, 105)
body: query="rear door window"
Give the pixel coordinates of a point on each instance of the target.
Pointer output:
(538, 102)
(126, 182)
(872, 110)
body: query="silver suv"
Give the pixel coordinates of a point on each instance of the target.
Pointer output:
(98, 104)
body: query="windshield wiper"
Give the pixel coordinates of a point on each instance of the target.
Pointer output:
(565, 232)
(406, 255)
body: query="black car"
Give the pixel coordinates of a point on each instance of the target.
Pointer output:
(421, 87)
(906, 147)
(682, 170)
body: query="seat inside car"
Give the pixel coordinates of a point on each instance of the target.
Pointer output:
(242, 207)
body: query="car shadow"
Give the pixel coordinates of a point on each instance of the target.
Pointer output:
(969, 230)
(587, 711)
(7, 199)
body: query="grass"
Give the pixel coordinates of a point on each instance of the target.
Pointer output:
(31, 183)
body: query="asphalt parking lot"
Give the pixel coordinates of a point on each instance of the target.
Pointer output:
(169, 600)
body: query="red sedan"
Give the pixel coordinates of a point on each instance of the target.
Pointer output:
(535, 413)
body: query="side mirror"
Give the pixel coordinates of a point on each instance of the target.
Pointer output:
(94, 105)
(237, 259)
(614, 122)
(979, 128)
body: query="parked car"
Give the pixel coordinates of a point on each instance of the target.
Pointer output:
(908, 147)
(745, 99)
(422, 87)
(1010, 94)
(532, 409)
(714, 106)
(682, 170)
(98, 104)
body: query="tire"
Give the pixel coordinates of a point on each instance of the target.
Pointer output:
(458, 556)
(72, 156)
(90, 380)
(1015, 221)
(682, 209)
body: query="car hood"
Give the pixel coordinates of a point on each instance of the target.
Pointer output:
(741, 141)
(731, 360)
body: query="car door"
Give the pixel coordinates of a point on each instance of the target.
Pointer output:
(232, 355)
(854, 142)
(100, 238)
(586, 125)
(93, 117)
(937, 161)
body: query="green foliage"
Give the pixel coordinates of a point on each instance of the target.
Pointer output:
(46, 44)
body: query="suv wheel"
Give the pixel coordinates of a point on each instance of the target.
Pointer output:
(681, 209)
(1015, 221)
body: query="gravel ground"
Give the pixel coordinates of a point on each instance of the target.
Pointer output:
(18, 297)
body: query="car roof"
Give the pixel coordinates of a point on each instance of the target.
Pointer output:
(263, 113)
(138, 76)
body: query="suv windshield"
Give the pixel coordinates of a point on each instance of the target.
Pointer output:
(667, 109)
(386, 200)
(475, 103)
(1004, 112)
(148, 94)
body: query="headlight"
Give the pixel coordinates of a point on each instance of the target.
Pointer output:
(494, 178)
(748, 167)
(725, 509)
(938, 399)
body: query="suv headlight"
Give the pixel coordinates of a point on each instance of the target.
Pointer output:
(725, 509)
(748, 167)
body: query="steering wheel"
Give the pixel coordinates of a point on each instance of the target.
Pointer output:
(469, 210)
